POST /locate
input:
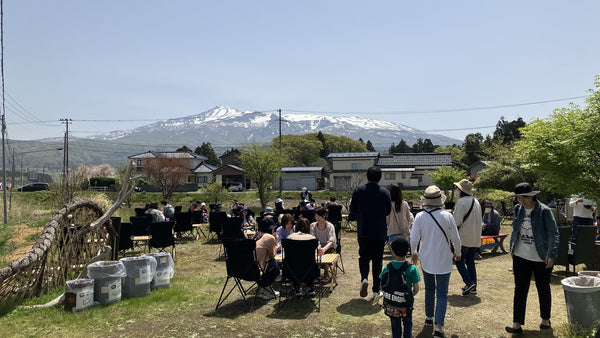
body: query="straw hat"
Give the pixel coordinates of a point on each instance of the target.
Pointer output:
(434, 197)
(465, 186)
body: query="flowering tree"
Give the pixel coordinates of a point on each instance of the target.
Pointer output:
(166, 173)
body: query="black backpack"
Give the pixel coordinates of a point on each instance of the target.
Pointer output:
(397, 297)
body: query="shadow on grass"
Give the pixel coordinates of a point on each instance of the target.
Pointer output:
(236, 308)
(463, 301)
(7, 307)
(358, 308)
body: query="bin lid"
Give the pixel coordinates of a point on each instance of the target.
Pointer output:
(581, 284)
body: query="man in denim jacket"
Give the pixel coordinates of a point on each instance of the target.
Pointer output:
(534, 248)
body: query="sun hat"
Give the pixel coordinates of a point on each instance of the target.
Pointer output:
(234, 200)
(524, 189)
(269, 211)
(434, 197)
(465, 186)
(244, 208)
(279, 200)
(488, 204)
(267, 225)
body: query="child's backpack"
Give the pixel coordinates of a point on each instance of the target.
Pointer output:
(397, 297)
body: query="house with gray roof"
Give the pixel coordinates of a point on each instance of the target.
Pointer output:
(348, 170)
(410, 170)
(296, 178)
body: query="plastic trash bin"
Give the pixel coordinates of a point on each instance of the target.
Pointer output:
(140, 271)
(79, 294)
(582, 295)
(107, 280)
(164, 270)
(589, 273)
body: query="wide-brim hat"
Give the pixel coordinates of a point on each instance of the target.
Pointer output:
(434, 197)
(465, 186)
(279, 200)
(488, 204)
(269, 211)
(267, 225)
(524, 189)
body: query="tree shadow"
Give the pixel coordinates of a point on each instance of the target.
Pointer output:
(358, 308)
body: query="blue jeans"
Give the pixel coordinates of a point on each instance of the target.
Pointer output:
(397, 326)
(468, 272)
(436, 288)
(577, 221)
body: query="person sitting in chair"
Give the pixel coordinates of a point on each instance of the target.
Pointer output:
(266, 249)
(157, 215)
(491, 220)
(302, 233)
(324, 231)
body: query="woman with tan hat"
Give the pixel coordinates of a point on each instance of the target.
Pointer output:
(467, 215)
(433, 236)
(534, 248)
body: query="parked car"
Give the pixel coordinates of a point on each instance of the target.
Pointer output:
(236, 187)
(39, 186)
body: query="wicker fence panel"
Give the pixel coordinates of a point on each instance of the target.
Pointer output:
(61, 253)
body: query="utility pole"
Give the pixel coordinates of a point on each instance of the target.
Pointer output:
(280, 176)
(3, 109)
(66, 151)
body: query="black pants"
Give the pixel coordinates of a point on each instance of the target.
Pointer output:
(370, 249)
(523, 269)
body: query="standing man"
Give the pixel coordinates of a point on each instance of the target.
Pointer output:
(583, 213)
(371, 204)
(467, 215)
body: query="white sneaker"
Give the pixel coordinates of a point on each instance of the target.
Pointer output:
(376, 297)
(363, 288)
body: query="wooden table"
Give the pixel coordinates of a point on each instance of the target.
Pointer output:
(137, 240)
(198, 229)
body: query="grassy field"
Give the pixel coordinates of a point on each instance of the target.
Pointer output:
(187, 308)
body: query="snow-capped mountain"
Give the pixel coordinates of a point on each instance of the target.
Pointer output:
(226, 127)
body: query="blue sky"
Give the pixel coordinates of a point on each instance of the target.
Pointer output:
(111, 65)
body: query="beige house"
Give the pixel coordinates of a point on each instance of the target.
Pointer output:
(348, 170)
(411, 170)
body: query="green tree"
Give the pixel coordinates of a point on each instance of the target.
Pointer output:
(370, 146)
(473, 148)
(418, 146)
(402, 147)
(207, 150)
(564, 150)
(215, 192)
(299, 150)
(428, 146)
(508, 132)
(183, 149)
(262, 165)
(444, 177)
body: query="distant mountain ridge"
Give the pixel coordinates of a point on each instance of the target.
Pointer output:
(224, 128)
(227, 127)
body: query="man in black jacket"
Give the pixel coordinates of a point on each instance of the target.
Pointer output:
(371, 204)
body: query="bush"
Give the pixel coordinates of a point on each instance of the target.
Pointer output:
(102, 181)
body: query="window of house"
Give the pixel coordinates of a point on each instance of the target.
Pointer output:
(139, 163)
(403, 175)
(202, 179)
(390, 176)
(356, 166)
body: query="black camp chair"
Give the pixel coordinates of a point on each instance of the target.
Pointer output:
(162, 237)
(183, 225)
(584, 249)
(232, 227)
(564, 233)
(125, 241)
(334, 215)
(242, 266)
(300, 266)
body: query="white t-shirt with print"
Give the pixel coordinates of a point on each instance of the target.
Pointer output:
(525, 243)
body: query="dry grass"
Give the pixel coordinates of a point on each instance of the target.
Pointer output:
(186, 309)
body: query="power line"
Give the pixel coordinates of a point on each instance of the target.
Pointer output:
(433, 111)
